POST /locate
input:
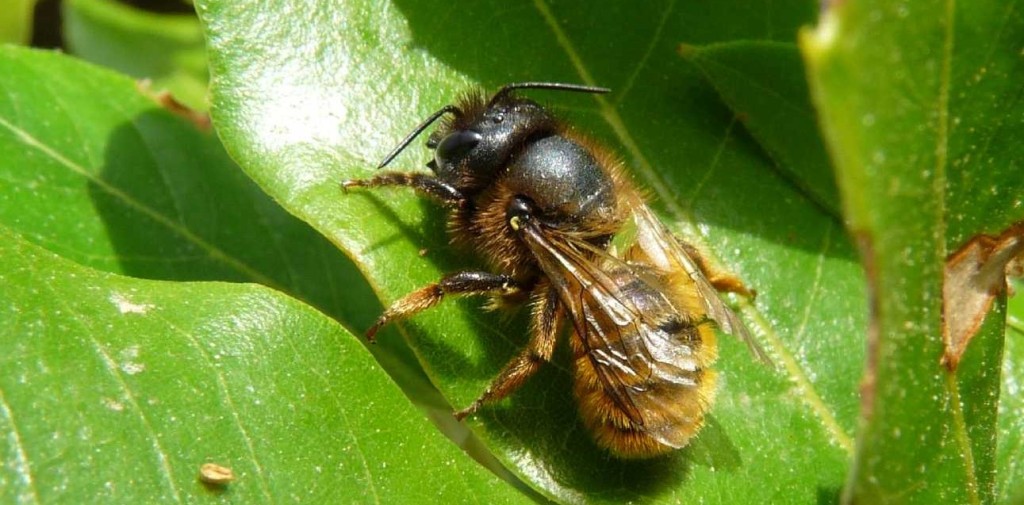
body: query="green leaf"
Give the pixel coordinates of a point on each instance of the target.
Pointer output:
(920, 104)
(307, 99)
(167, 49)
(117, 390)
(763, 83)
(93, 170)
(97, 172)
(1010, 474)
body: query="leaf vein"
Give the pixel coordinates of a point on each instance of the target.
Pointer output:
(642, 62)
(712, 166)
(21, 464)
(130, 396)
(111, 367)
(212, 250)
(353, 433)
(809, 304)
(226, 394)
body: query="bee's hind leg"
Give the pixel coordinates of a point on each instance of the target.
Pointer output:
(728, 283)
(721, 281)
(459, 283)
(546, 316)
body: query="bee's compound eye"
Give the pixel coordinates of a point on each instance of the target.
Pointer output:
(456, 145)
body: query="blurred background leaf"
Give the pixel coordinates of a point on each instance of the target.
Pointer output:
(16, 21)
(165, 48)
(1009, 470)
(923, 118)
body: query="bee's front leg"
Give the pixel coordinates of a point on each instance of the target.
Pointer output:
(423, 183)
(459, 283)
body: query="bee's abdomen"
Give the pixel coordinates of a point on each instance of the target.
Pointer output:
(659, 383)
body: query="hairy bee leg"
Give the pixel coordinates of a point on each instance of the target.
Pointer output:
(722, 282)
(459, 283)
(422, 183)
(546, 315)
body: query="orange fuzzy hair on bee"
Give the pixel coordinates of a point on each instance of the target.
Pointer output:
(558, 222)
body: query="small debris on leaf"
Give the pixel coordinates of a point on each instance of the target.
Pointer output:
(212, 473)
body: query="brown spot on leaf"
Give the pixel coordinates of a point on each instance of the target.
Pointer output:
(974, 275)
(686, 50)
(166, 100)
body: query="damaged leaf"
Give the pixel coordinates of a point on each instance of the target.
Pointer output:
(974, 275)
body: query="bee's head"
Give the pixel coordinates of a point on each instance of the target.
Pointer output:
(479, 141)
(481, 135)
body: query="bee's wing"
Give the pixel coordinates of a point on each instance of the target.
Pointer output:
(624, 340)
(665, 253)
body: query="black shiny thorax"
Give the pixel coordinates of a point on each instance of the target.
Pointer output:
(564, 180)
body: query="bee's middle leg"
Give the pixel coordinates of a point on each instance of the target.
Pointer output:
(546, 315)
(459, 283)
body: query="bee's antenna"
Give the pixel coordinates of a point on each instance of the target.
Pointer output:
(560, 86)
(418, 130)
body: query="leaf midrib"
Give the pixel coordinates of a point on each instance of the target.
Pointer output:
(962, 437)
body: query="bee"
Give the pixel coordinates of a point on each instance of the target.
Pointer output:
(553, 213)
